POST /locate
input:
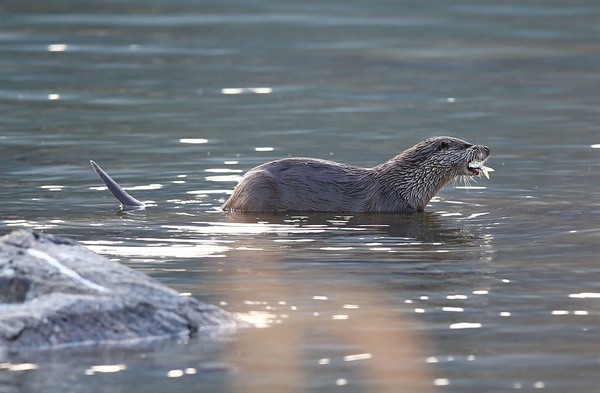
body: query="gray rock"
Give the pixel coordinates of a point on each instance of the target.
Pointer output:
(55, 293)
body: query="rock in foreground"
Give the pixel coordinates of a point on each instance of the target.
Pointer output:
(56, 293)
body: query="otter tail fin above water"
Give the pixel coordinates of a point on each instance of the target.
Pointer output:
(127, 201)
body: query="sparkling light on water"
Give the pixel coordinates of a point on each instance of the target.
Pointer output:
(193, 140)
(359, 356)
(465, 325)
(175, 373)
(582, 295)
(246, 90)
(441, 382)
(105, 368)
(453, 309)
(57, 47)
(18, 366)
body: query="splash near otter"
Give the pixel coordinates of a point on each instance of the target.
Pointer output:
(406, 183)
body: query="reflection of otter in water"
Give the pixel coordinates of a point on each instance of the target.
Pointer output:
(425, 228)
(406, 183)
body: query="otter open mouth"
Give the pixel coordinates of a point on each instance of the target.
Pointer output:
(477, 168)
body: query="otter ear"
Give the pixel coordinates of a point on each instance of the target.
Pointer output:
(443, 145)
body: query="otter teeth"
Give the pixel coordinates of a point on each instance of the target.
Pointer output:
(480, 167)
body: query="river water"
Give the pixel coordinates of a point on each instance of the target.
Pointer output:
(495, 288)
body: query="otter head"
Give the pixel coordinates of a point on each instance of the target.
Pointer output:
(431, 164)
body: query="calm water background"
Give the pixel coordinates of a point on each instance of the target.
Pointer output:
(493, 289)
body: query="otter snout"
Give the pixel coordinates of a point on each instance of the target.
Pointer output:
(479, 155)
(481, 152)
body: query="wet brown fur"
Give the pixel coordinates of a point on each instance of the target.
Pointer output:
(406, 183)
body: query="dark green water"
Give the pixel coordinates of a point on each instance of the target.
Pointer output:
(494, 289)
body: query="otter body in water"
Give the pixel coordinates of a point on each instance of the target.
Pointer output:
(406, 183)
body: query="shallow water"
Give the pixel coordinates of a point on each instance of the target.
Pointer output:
(494, 288)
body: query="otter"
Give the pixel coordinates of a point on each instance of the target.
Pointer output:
(404, 184)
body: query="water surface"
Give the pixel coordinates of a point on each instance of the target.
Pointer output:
(494, 288)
